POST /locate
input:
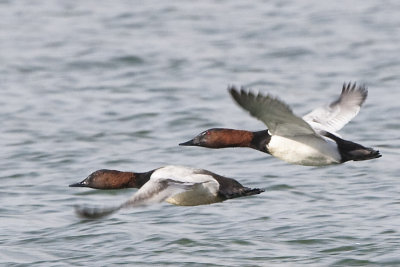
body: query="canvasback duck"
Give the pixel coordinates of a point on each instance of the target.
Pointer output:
(311, 140)
(177, 185)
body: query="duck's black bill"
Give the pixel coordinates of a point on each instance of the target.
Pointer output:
(81, 184)
(188, 143)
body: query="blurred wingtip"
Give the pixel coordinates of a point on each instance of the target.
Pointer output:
(93, 213)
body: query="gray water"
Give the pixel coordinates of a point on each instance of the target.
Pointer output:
(87, 85)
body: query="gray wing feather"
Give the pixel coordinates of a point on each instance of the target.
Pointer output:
(157, 192)
(278, 116)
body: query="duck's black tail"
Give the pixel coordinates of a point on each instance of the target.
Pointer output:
(353, 151)
(242, 192)
(363, 153)
(230, 188)
(252, 191)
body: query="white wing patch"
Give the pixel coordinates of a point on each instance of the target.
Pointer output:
(169, 181)
(333, 117)
(157, 191)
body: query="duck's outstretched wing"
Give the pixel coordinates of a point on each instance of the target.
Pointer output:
(157, 191)
(278, 116)
(332, 117)
(152, 192)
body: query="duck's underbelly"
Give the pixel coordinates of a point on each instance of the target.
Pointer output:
(200, 195)
(304, 150)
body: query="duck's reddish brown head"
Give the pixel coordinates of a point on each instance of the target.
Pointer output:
(112, 179)
(221, 138)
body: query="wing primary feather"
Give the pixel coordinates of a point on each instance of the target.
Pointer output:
(95, 212)
(334, 116)
(273, 112)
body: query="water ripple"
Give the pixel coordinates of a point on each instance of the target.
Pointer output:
(88, 86)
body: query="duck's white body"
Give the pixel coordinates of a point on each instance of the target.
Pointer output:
(185, 186)
(304, 150)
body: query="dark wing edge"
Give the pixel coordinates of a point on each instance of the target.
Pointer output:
(92, 213)
(351, 88)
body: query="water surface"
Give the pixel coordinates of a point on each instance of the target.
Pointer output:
(118, 85)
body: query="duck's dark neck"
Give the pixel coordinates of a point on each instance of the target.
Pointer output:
(260, 140)
(137, 180)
